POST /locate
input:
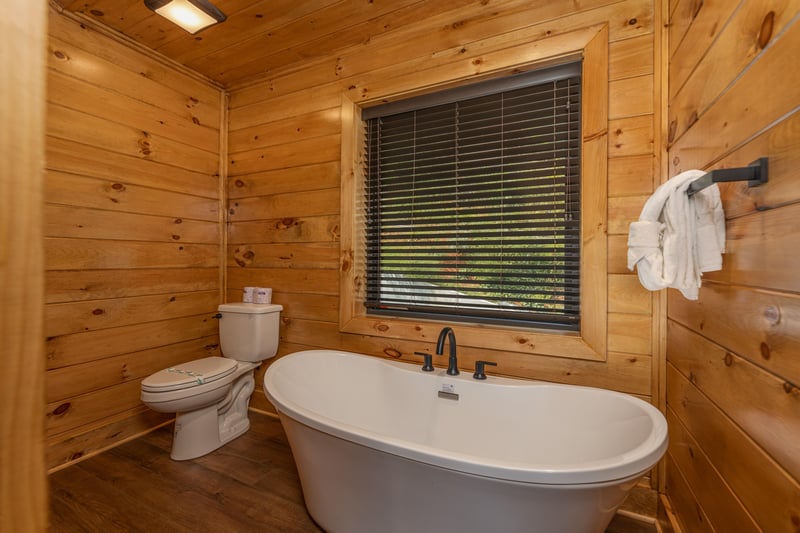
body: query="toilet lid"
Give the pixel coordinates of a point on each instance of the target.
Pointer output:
(189, 374)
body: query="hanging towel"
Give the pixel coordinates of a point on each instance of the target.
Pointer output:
(678, 237)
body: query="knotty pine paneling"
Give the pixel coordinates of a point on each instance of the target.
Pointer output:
(732, 374)
(764, 488)
(284, 154)
(23, 482)
(132, 233)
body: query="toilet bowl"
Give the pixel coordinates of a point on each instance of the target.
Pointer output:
(210, 396)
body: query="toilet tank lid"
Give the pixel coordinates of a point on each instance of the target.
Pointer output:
(250, 309)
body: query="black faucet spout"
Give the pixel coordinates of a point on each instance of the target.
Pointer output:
(452, 363)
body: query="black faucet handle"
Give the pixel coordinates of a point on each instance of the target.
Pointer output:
(427, 364)
(479, 373)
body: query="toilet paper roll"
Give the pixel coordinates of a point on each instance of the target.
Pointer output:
(249, 294)
(263, 295)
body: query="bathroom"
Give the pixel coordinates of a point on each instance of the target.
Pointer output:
(180, 168)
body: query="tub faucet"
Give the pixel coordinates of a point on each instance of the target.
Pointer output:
(452, 363)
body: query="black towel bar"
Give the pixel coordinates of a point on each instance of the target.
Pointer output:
(755, 174)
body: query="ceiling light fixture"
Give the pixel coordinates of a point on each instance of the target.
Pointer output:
(191, 15)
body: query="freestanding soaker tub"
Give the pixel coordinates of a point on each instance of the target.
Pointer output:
(382, 446)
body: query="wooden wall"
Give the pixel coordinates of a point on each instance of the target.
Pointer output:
(733, 356)
(284, 169)
(132, 233)
(23, 481)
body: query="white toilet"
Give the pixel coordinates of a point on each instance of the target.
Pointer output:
(210, 396)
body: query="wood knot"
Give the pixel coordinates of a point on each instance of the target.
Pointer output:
(789, 388)
(477, 61)
(285, 223)
(391, 352)
(673, 129)
(60, 55)
(765, 351)
(61, 409)
(633, 22)
(96, 12)
(765, 33)
(238, 183)
(98, 312)
(172, 298)
(243, 257)
(728, 359)
(382, 328)
(196, 120)
(178, 221)
(144, 147)
(772, 314)
(118, 187)
(346, 265)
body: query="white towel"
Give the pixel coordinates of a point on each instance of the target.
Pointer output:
(678, 237)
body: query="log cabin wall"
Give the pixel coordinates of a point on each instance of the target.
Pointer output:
(23, 480)
(132, 232)
(284, 169)
(733, 356)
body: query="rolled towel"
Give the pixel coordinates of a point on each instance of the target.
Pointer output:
(678, 237)
(644, 250)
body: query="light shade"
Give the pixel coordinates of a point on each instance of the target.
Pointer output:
(191, 15)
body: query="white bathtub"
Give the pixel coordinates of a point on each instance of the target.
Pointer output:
(378, 450)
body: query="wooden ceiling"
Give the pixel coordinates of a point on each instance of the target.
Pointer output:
(259, 36)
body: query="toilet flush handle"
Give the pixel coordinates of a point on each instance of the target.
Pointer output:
(218, 315)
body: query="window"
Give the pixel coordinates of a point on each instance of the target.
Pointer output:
(473, 202)
(398, 334)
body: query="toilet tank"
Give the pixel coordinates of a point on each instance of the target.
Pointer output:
(249, 332)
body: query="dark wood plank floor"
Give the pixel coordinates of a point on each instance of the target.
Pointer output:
(248, 485)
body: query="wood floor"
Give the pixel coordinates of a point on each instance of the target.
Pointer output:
(249, 485)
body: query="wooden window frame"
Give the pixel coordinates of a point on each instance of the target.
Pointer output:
(589, 45)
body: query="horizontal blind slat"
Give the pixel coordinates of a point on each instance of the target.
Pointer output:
(472, 207)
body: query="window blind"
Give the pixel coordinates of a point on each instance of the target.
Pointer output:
(473, 207)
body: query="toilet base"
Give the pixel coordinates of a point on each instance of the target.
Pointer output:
(202, 431)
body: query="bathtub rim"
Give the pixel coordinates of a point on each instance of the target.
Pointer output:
(639, 459)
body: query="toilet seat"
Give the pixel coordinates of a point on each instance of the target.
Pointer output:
(191, 374)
